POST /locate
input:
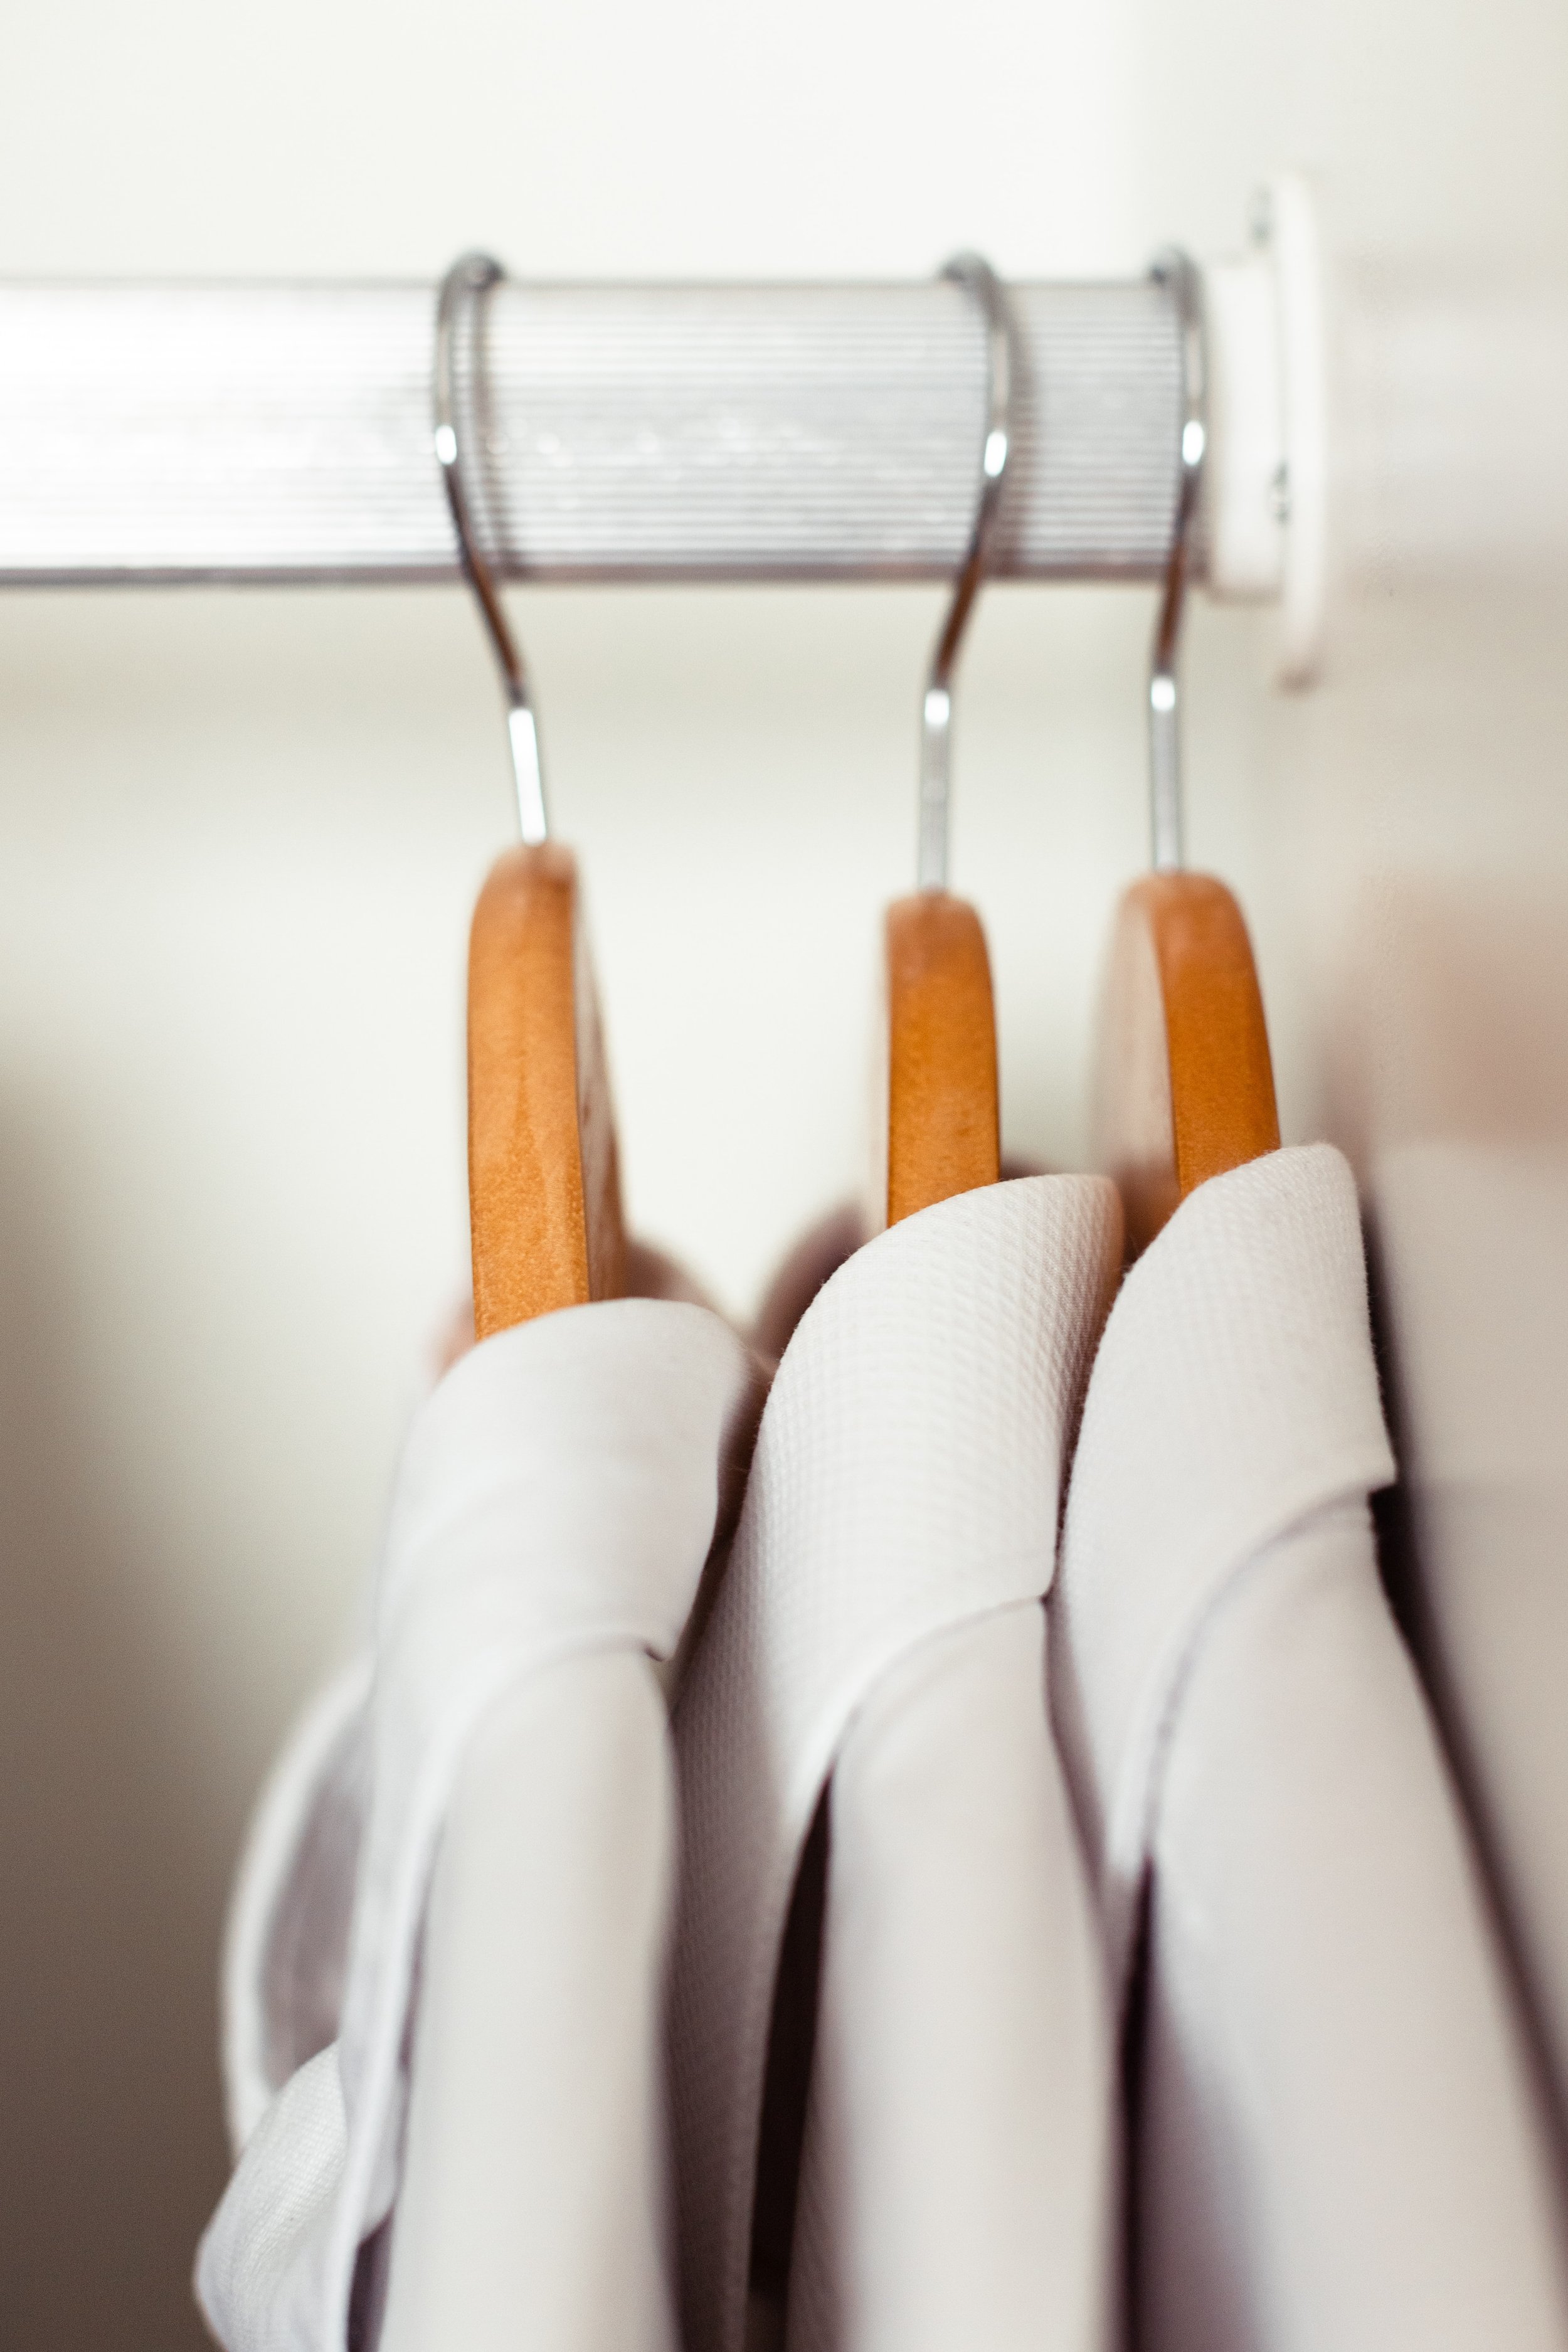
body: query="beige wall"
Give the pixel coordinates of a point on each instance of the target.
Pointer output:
(240, 835)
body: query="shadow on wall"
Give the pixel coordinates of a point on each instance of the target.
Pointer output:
(1452, 1086)
(113, 2152)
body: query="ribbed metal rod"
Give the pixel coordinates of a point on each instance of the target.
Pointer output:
(187, 433)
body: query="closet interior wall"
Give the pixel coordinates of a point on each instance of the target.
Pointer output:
(241, 833)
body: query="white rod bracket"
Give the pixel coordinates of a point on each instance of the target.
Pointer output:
(1265, 485)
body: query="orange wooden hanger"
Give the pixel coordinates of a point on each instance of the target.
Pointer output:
(546, 1235)
(940, 1120)
(936, 1120)
(1185, 1085)
(544, 1187)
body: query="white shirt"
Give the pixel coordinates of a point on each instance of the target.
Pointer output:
(1337, 2148)
(556, 1501)
(879, 1621)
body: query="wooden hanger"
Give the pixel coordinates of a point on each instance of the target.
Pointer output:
(544, 1205)
(941, 1124)
(545, 1209)
(935, 1120)
(543, 1185)
(940, 1119)
(1185, 1084)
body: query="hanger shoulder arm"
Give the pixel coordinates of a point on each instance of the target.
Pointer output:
(942, 1125)
(543, 1189)
(1185, 1085)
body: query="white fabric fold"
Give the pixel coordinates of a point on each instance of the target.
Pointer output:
(958, 2175)
(904, 1492)
(1337, 2144)
(557, 1499)
(286, 1942)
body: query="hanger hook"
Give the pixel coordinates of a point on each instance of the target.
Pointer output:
(472, 275)
(1176, 271)
(1003, 358)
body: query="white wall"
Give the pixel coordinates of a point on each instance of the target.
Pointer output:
(240, 833)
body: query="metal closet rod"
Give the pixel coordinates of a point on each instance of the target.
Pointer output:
(167, 433)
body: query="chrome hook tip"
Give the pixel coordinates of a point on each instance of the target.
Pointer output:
(1176, 270)
(473, 274)
(1004, 369)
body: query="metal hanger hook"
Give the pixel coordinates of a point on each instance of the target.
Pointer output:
(470, 279)
(1004, 366)
(1178, 273)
